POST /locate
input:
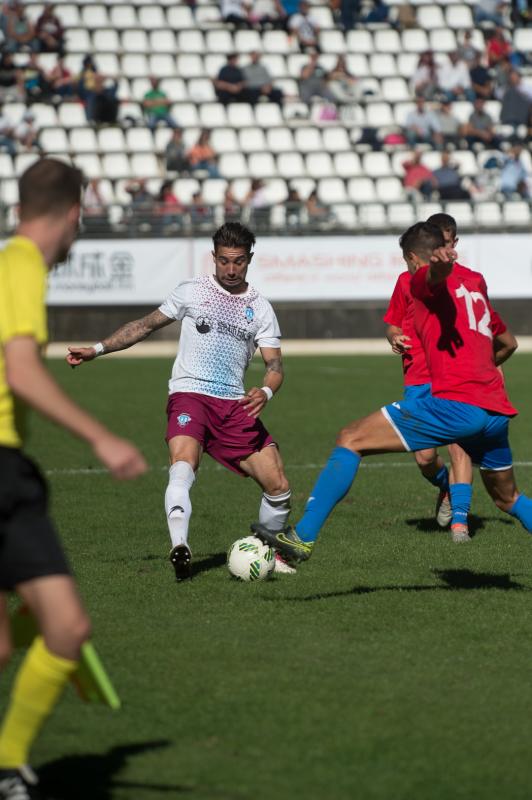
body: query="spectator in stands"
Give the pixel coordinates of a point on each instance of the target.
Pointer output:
(7, 134)
(230, 85)
(481, 80)
(425, 79)
(466, 49)
(61, 80)
(522, 13)
(235, 12)
(269, 14)
(421, 126)
(318, 214)
(175, 154)
(313, 81)
(305, 29)
(259, 207)
(19, 31)
(293, 210)
(11, 79)
(142, 205)
(514, 178)
(418, 179)
(87, 85)
(201, 214)
(349, 13)
(104, 104)
(498, 47)
(489, 11)
(49, 31)
(378, 13)
(448, 180)
(95, 216)
(449, 125)
(232, 208)
(155, 106)
(169, 209)
(202, 156)
(36, 85)
(454, 80)
(290, 7)
(258, 79)
(516, 104)
(26, 132)
(480, 127)
(192, 4)
(342, 84)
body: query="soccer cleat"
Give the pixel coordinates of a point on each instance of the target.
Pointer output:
(287, 542)
(444, 512)
(283, 566)
(19, 784)
(180, 558)
(460, 533)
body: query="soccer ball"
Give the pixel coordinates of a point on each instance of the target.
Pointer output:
(249, 559)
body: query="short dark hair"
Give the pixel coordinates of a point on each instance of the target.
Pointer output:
(48, 187)
(233, 234)
(444, 222)
(421, 239)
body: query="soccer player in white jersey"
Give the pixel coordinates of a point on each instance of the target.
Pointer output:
(224, 319)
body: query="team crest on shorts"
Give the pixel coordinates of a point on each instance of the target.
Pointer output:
(250, 314)
(184, 419)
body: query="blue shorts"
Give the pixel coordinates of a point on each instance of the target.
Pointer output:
(433, 421)
(418, 392)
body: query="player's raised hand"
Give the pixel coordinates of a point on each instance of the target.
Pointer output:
(121, 458)
(254, 401)
(400, 343)
(445, 256)
(77, 355)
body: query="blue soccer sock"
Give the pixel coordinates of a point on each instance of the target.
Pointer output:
(332, 485)
(440, 480)
(461, 494)
(522, 510)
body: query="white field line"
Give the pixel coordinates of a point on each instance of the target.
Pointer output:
(288, 467)
(290, 347)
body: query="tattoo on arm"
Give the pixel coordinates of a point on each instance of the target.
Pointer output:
(274, 365)
(135, 331)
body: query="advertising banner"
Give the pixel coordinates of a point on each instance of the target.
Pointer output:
(296, 269)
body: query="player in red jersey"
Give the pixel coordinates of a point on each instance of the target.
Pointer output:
(468, 405)
(454, 501)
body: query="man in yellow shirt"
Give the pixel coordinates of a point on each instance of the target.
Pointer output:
(32, 562)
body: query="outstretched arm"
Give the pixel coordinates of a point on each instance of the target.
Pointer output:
(440, 264)
(29, 380)
(256, 399)
(126, 336)
(504, 345)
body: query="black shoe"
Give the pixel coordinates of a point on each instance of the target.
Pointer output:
(19, 784)
(181, 558)
(286, 542)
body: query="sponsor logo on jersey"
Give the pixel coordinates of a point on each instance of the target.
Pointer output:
(250, 314)
(183, 419)
(234, 331)
(203, 324)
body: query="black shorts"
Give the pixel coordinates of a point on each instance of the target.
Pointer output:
(29, 546)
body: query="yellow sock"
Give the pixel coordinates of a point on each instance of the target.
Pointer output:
(38, 685)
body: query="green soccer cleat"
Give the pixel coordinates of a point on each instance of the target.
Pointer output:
(286, 542)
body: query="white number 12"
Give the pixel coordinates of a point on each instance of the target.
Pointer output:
(483, 325)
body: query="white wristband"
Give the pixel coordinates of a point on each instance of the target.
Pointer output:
(268, 392)
(99, 348)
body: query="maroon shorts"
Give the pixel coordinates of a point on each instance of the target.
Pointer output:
(223, 427)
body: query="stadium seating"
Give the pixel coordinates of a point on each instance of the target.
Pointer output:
(293, 146)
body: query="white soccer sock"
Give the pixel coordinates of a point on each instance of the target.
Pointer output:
(274, 510)
(177, 501)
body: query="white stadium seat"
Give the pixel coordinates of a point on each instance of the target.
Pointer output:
(429, 17)
(320, 165)
(240, 115)
(261, 165)
(308, 140)
(361, 190)
(212, 115)
(252, 140)
(517, 214)
(135, 42)
(268, 115)
(111, 140)
(139, 140)
(488, 215)
(347, 165)
(116, 165)
(224, 140)
(401, 215)
(291, 165)
(280, 140)
(144, 165)
(232, 165)
(151, 17)
(332, 190)
(373, 215)
(83, 140)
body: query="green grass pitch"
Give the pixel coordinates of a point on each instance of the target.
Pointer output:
(394, 666)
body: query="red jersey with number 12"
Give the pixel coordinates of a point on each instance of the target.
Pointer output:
(454, 321)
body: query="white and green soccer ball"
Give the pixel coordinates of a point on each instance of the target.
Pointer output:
(249, 559)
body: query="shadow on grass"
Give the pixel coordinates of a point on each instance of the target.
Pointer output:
(91, 776)
(429, 524)
(212, 561)
(454, 580)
